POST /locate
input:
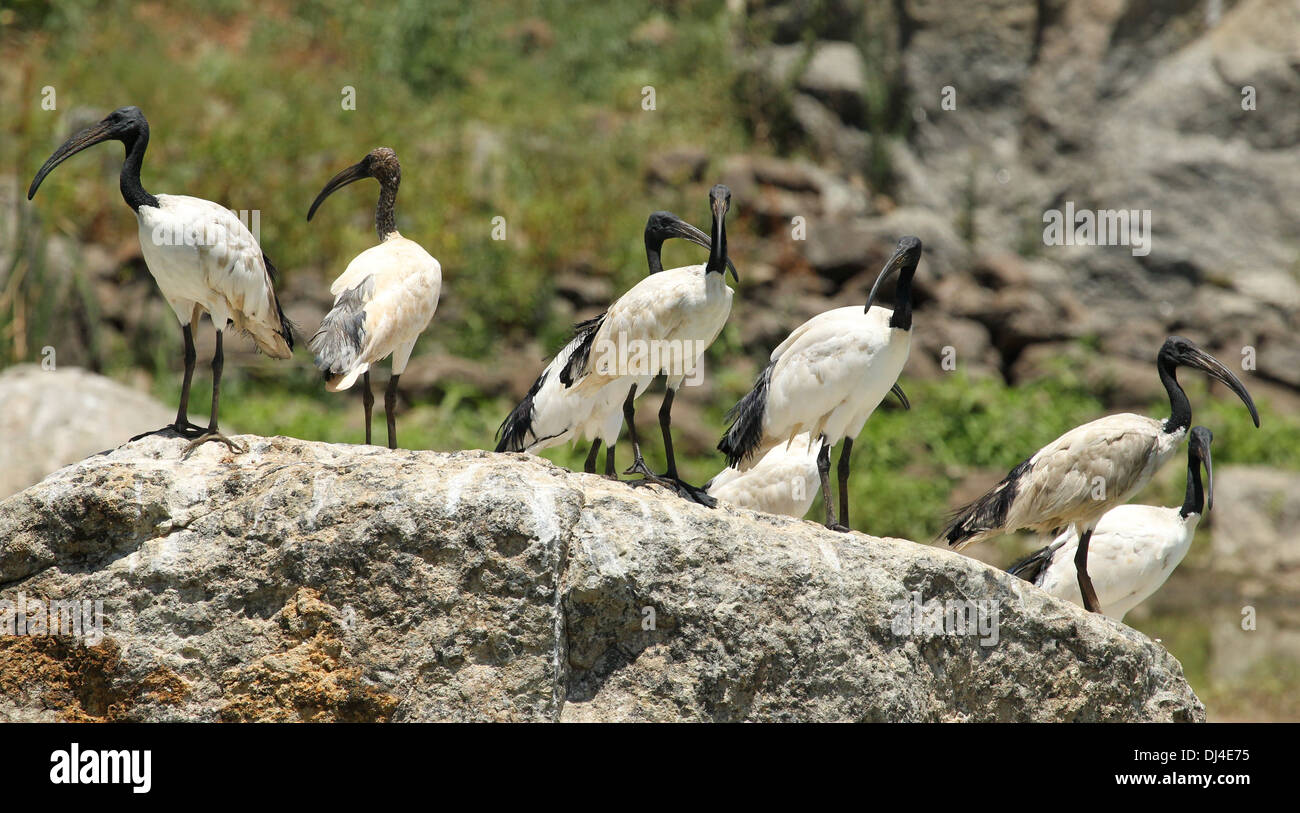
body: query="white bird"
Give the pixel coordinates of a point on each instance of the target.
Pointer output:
(1077, 478)
(552, 414)
(783, 481)
(1134, 547)
(383, 300)
(827, 378)
(202, 257)
(662, 325)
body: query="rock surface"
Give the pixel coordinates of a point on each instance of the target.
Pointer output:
(306, 581)
(50, 418)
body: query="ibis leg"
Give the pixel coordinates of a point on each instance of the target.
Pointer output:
(182, 426)
(845, 451)
(824, 472)
(390, 407)
(669, 479)
(367, 401)
(590, 466)
(213, 433)
(629, 417)
(666, 427)
(1090, 602)
(609, 462)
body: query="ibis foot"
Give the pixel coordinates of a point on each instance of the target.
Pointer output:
(185, 430)
(212, 436)
(679, 487)
(835, 526)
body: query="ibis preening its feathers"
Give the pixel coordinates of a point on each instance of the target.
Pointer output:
(552, 414)
(383, 301)
(200, 254)
(662, 325)
(1134, 548)
(827, 378)
(1089, 470)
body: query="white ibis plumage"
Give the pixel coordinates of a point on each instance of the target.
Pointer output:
(552, 414)
(827, 378)
(383, 300)
(783, 481)
(202, 256)
(1077, 478)
(1134, 548)
(661, 326)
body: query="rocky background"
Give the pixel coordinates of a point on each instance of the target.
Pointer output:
(838, 125)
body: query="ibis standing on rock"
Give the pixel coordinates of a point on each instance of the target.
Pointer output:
(383, 300)
(202, 257)
(1134, 547)
(1077, 478)
(662, 325)
(827, 378)
(552, 414)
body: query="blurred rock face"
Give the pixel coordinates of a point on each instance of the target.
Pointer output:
(50, 418)
(307, 581)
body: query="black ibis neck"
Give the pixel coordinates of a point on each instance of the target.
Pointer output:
(385, 220)
(1180, 409)
(718, 250)
(1194, 502)
(132, 190)
(902, 317)
(652, 256)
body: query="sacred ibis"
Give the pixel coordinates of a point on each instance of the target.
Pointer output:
(661, 326)
(551, 414)
(1077, 478)
(1134, 547)
(383, 300)
(827, 378)
(202, 257)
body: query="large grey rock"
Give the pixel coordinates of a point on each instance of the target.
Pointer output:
(306, 581)
(50, 418)
(1256, 524)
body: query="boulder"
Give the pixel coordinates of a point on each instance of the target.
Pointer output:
(309, 581)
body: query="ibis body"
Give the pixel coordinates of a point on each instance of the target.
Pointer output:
(551, 414)
(383, 300)
(782, 481)
(1134, 548)
(827, 378)
(203, 257)
(1079, 477)
(661, 326)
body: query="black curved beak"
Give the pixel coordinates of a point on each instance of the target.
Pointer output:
(681, 229)
(902, 256)
(902, 396)
(720, 204)
(350, 175)
(88, 137)
(1212, 367)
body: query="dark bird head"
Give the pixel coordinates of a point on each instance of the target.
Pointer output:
(380, 164)
(1179, 352)
(662, 226)
(1198, 453)
(903, 261)
(125, 124)
(720, 203)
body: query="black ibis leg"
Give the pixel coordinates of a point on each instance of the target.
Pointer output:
(1090, 602)
(367, 401)
(590, 466)
(845, 451)
(213, 433)
(390, 407)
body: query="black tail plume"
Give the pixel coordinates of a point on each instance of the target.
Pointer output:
(743, 437)
(576, 366)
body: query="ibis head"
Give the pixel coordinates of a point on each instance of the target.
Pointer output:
(662, 226)
(720, 203)
(903, 262)
(380, 164)
(1179, 352)
(125, 124)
